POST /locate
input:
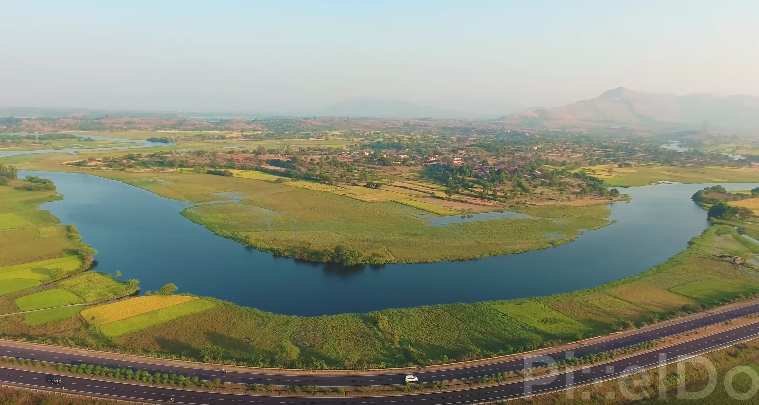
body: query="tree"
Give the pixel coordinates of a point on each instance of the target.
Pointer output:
(118, 274)
(133, 282)
(168, 289)
(755, 192)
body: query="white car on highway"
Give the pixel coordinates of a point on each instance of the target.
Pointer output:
(411, 378)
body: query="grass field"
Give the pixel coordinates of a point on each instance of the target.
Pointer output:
(43, 270)
(11, 221)
(15, 284)
(117, 311)
(435, 209)
(543, 318)
(20, 225)
(93, 286)
(642, 175)
(153, 318)
(47, 299)
(51, 315)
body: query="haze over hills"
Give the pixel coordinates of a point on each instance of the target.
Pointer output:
(632, 107)
(375, 108)
(354, 108)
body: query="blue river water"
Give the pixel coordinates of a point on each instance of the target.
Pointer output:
(145, 237)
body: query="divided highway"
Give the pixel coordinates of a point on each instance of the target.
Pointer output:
(85, 386)
(664, 329)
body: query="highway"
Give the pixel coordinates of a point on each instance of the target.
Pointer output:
(86, 386)
(325, 379)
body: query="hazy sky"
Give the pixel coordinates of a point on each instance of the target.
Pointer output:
(289, 56)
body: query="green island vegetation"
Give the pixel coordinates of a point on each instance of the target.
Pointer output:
(356, 191)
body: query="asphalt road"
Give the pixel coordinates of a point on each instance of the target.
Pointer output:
(85, 386)
(667, 328)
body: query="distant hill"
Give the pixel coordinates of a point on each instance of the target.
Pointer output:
(373, 108)
(631, 107)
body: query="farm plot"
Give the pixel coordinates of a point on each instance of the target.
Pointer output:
(117, 311)
(541, 317)
(43, 270)
(8, 286)
(50, 315)
(153, 318)
(47, 299)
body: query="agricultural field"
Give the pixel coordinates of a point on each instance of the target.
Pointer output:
(116, 311)
(156, 317)
(44, 270)
(47, 299)
(15, 284)
(51, 316)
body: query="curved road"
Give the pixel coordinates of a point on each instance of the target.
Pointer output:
(663, 329)
(614, 369)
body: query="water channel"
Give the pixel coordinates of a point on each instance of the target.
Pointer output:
(129, 144)
(145, 237)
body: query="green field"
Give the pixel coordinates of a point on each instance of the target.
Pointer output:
(15, 284)
(543, 318)
(11, 221)
(47, 299)
(43, 270)
(153, 318)
(50, 315)
(93, 286)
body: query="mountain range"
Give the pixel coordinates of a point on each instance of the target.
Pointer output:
(631, 107)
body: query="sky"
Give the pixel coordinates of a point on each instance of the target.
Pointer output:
(298, 56)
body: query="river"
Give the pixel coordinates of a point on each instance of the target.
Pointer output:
(145, 237)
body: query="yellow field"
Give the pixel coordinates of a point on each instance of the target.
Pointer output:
(117, 311)
(751, 203)
(435, 209)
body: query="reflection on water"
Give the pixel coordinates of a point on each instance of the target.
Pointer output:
(145, 237)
